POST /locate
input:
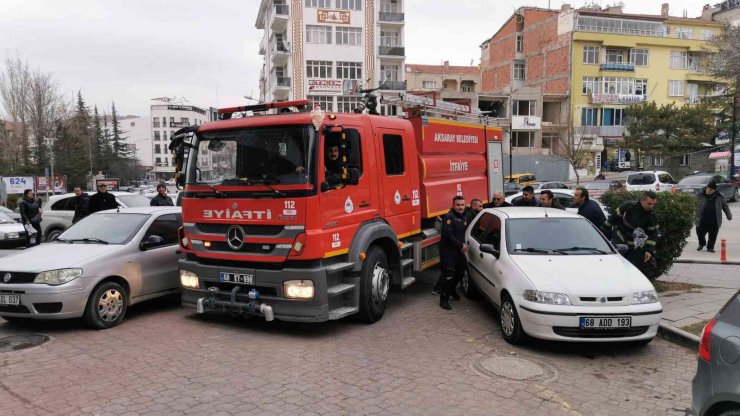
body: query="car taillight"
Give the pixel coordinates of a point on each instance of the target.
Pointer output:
(704, 351)
(184, 238)
(298, 245)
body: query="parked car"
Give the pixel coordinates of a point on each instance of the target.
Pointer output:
(59, 211)
(12, 233)
(598, 188)
(716, 385)
(550, 185)
(552, 275)
(510, 188)
(658, 181)
(12, 214)
(521, 179)
(697, 182)
(96, 269)
(563, 196)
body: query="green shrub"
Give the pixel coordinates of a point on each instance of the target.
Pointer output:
(676, 213)
(13, 201)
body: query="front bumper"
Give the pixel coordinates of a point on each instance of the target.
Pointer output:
(47, 302)
(562, 323)
(269, 284)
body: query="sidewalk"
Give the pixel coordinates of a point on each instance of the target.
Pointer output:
(687, 306)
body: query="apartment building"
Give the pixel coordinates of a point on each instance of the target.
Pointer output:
(575, 71)
(451, 83)
(326, 50)
(138, 132)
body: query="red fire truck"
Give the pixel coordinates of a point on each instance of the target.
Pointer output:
(275, 225)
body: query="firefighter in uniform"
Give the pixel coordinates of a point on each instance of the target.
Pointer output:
(637, 227)
(452, 250)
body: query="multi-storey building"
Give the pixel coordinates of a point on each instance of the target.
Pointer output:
(138, 133)
(572, 72)
(452, 83)
(325, 50)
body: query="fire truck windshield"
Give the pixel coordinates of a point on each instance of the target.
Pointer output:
(273, 156)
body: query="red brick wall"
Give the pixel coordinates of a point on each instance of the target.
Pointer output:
(535, 67)
(558, 61)
(556, 86)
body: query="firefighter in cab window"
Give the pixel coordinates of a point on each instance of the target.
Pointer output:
(452, 251)
(333, 165)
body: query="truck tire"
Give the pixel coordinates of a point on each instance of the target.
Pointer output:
(375, 282)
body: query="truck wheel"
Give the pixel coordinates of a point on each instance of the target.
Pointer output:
(375, 283)
(107, 306)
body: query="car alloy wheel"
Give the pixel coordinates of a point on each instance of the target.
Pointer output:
(110, 305)
(507, 318)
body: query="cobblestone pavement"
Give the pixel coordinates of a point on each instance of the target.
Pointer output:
(419, 360)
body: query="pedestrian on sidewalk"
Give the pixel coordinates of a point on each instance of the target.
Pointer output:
(637, 227)
(102, 200)
(30, 210)
(709, 216)
(453, 250)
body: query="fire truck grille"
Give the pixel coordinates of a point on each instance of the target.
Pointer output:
(248, 229)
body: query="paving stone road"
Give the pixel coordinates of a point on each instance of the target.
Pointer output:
(419, 360)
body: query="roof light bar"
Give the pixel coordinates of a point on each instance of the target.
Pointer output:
(225, 113)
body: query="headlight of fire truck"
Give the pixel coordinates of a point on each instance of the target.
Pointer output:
(298, 289)
(189, 280)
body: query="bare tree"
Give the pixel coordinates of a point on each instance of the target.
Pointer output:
(575, 146)
(44, 105)
(14, 91)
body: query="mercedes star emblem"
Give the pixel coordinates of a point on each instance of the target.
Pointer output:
(235, 237)
(602, 300)
(6, 277)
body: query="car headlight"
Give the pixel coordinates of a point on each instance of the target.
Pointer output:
(11, 236)
(57, 277)
(648, 296)
(189, 280)
(551, 298)
(298, 289)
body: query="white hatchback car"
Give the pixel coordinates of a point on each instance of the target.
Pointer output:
(552, 275)
(656, 181)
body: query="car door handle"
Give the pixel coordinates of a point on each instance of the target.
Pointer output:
(364, 204)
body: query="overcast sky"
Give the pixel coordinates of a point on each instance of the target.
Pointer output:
(129, 51)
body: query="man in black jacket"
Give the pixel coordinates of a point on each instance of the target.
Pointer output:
(709, 216)
(161, 199)
(452, 250)
(587, 208)
(30, 210)
(498, 200)
(547, 200)
(82, 204)
(102, 200)
(527, 199)
(637, 227)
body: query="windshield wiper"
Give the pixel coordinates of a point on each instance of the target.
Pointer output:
(264, 183)
(533, 250)
(591, 249)
(63, 240)
(218, 193)
(89, 240)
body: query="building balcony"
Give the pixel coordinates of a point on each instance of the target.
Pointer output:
(610, 131)
(392, 51)
(279, 17)
(609, 66)
(389, 17)
(280, 86)
(263, 45)
(393, 85)
(279, 51)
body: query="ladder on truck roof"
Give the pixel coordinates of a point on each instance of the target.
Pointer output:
(431, 107)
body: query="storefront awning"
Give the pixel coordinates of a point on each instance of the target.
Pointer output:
(719, 155)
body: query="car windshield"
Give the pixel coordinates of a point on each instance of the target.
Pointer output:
(111, 228)
(542, 236)
(5, 218)
(597, 185)
(134, 200)
(278, 155)
(695, 180)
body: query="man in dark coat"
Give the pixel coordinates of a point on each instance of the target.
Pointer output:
(82, 204)
(498, 200)
(587, 208)
(547, 200)
(709, 216)
(30, 210)
(102, 200)
(161, 199)
(527, 199)
(452, 250)
(637, 227)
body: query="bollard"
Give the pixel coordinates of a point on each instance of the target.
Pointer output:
(723, 250)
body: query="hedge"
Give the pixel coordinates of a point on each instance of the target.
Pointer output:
(676, 213)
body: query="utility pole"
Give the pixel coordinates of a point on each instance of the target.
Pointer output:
(735, 108)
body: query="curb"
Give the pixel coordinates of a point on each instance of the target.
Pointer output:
(698, 261)
(679, 337)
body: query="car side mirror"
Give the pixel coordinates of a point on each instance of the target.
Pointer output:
(151, 242)
(622, 248)
(490, 249)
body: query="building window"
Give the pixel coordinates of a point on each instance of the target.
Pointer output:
(467, 86)
(326, 102)
(155, 122)
(388, 72)
(185, 121)
(349, 36)
(133, 124)
(349, 4)
(318, 3)
(393, 152)
(614, 56)
(657, 160)
(692, 62)
(618, 85)
(518, 69)
(157, 149)
(524, 108)
(429, 85)
(590, 54)
(590, 86)
(349, 70)
(158, 161)
(522, 139)
(639, 57)
(550, 141)
(612, 117)
(589, 117)
(347, 104)
(686, 159)
(156, 134)
(318, 69)
(707, 34)
(683, 33)
(388, 38)
(641, 86)
(620, 26)
(679, 59)
(675, 88)
(519, 42)
(318, 34)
